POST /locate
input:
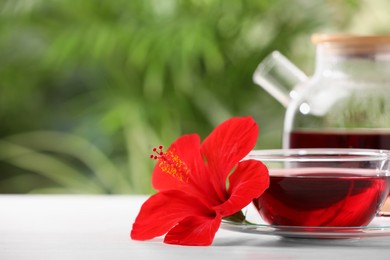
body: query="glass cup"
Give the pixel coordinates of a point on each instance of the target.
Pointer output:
(323, 187)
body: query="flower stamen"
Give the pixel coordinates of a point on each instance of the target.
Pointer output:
(171, 164)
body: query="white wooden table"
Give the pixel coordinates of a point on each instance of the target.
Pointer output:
(97, 227)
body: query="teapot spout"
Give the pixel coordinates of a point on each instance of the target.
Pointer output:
(279, 77)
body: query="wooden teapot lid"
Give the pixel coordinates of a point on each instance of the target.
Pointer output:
(355, 45)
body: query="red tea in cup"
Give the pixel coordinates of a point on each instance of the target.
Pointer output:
(323, 187)
(322, 197)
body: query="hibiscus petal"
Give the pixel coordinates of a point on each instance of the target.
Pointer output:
(194, 231)
(247, 182)
(226, 146)
(196, 181)
(163, 211)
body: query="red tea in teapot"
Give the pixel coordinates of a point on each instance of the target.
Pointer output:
(339, 139)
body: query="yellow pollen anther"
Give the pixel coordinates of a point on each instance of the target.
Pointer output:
(171, 164)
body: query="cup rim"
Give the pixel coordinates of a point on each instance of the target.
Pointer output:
(318, 155)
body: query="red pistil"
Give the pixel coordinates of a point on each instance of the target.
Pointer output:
(171, 164)
(158, 153)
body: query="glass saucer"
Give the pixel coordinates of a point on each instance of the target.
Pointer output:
(379, 227)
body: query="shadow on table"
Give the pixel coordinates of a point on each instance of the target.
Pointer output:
(281, 242)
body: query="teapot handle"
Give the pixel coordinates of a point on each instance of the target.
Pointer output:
(279, 77)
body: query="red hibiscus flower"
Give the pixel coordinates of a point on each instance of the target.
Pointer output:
(199, 184)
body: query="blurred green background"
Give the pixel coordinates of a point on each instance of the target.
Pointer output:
(88, 88)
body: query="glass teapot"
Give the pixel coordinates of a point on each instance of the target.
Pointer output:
(345, 104)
